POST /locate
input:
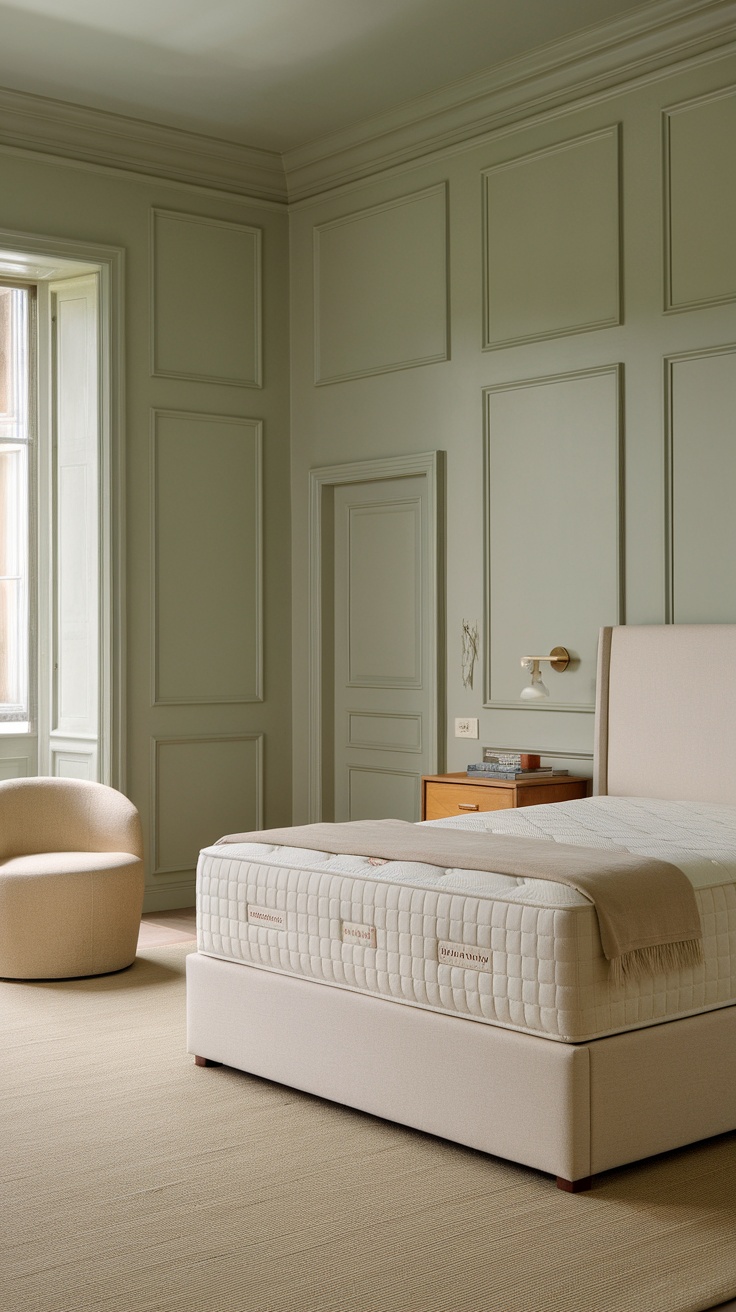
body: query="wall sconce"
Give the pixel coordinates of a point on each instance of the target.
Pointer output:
(559, 659)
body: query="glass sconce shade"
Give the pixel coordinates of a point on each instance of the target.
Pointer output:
(559, 659)
(536, 690)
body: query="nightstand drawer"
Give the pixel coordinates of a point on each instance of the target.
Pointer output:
(443, 800)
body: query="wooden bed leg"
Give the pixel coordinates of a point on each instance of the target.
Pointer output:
(205, 1061)
(574, 1186)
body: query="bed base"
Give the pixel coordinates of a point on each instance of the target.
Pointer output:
(571, 1110)
(568, 1186)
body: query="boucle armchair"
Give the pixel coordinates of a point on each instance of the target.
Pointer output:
(71, 879)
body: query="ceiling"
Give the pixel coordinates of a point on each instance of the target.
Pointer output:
(269, 73)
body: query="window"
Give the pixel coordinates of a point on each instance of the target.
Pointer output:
(16, 429)
(62, 709)
(50, 523)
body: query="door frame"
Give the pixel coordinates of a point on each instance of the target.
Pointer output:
(322, 483)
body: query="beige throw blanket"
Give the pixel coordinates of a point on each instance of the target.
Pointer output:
(646, 908)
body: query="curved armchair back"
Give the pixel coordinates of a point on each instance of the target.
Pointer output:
(66, 815)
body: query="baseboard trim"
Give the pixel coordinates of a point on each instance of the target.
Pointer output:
(170, 897)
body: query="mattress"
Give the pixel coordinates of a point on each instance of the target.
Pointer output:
(521, 954)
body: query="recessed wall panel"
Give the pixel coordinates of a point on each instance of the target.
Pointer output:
(207, 534)
(206, 299)
(380, 279)
(69, 764)
(378, 793)
(554, 545)
(384, 609)
(552, 241)
(700, 214)
(203, 788)
(702, 441)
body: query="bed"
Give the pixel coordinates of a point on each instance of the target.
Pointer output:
(327, 972)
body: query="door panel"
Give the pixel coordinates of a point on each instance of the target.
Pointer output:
(374, 793)
(384, 612)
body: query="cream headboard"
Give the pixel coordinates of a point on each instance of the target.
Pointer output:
(666, 712)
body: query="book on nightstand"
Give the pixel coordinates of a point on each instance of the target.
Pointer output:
(511, 760)
(484, 770)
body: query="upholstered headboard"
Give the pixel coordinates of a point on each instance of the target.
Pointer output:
(666, 712)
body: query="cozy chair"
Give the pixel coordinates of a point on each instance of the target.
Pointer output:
(71, 879)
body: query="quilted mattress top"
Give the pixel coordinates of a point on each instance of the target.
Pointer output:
(698, 837)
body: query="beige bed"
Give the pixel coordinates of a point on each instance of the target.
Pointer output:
(666, 710)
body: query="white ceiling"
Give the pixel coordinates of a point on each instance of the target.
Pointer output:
(269, 73)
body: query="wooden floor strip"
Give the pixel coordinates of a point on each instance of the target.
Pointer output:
(162, 928)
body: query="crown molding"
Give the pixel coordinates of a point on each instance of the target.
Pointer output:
(639, 46)
(96, 137)
(636, 46)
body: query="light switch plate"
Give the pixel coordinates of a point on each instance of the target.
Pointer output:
(466, 728)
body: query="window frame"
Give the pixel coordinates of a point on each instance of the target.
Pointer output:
(32, 752)
(18, 716)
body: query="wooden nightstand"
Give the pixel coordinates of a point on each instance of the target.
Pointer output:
(444, 795)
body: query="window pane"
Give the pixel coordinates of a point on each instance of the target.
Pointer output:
(14, 363)
(14, 438)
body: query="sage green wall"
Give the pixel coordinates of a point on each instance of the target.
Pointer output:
(586, 403)
(208, 724)
(553, 306)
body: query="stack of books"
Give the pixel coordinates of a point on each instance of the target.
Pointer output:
(500, 763)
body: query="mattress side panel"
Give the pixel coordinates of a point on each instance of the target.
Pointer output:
(545, 975)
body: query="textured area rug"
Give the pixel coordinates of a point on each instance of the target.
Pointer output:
(133, 1181)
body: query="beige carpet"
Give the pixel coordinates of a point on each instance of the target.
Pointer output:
(133, 1181)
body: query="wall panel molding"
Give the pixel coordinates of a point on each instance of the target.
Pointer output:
(699, 243)
(710, 541)
(373, 267)
(203, 534)
(567, 523)
(568, 273)
(223, 279)
(225, 809)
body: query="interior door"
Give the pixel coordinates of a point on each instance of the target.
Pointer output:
(385, 647)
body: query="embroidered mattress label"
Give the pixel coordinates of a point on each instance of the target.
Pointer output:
(464, 956)
(269, 917)
(363, 935)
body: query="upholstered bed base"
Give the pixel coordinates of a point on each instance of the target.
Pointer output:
(571, 1110)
